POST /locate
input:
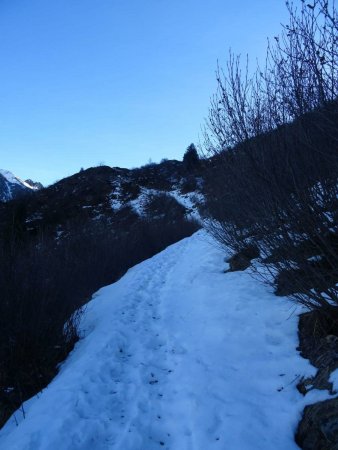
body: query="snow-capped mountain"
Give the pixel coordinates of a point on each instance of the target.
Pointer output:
(12, 187)
(35, 185)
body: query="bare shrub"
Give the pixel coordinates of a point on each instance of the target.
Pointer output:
(273, 137)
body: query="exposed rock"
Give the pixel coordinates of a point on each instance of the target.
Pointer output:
(318, 429)
(318, 337)
(35, 185)
(318, 342)
(319, 381)
(242, 259)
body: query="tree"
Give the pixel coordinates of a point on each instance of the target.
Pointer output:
(191, 158)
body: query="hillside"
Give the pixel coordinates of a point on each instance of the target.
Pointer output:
(175, 355)
(120, 196)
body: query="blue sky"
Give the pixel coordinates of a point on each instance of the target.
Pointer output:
(84, 82)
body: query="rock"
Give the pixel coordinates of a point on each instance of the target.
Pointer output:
(318, 337)
(242, 259)
(318, 429)
(318, 342)
(319, 381)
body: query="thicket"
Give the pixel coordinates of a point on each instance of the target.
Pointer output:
(273, 141)
(46, 281)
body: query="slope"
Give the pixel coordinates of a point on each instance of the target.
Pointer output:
(175, 355)
(119, 196)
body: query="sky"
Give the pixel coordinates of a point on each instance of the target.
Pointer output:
(115, 82)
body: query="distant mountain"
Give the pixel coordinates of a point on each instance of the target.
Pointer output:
(12, 187)
(35, 185)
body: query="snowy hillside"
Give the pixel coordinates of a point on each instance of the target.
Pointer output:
(175, 355)
(11, 186)
(118, 196)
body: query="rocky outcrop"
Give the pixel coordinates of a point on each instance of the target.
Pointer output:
(318, 342)
(242, 259)
(318, 429)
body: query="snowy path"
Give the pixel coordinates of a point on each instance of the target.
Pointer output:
(176, 355)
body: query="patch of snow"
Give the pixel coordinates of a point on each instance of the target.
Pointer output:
(116, 204)
(33, 217)
(190, 202)
(115, 201)
(59, 234)
(334, 380)
(186, 200)
(315, 258)
(175, 355)
(139, 203)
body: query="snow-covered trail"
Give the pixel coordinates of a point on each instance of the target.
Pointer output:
(175, 355)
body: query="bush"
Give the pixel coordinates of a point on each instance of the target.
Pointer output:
(38, 320)
(273, 176)
(164, 206)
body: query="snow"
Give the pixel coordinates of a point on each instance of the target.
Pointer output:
(140, 202)
(14, 180)
(175, 355)
(334, 380)
(9, 176)
(315, 258)
(189, 200)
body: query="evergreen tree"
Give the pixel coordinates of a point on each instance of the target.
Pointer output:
(191, 158)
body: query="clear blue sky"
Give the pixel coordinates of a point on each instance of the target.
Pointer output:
(116, 81)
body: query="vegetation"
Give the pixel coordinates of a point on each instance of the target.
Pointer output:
(272, 137)
(191, 159)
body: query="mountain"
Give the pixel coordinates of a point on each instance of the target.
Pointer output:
(35, 185)
(12, 187)
(175, 355)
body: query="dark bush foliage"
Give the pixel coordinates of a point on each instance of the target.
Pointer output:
(163, 205)
(189, 184)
